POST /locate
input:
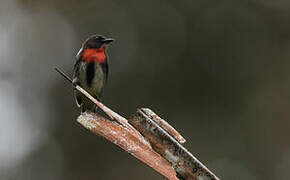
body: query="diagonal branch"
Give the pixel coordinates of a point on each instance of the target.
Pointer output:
(163, 152)
(124, 138)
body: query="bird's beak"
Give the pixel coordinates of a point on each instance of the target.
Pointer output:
(108, 40)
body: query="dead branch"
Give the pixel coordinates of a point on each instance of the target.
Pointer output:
(124, 138)
(163, 124)
(163, 152)
(184, 163)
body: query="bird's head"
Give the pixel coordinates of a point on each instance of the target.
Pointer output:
(96, 42)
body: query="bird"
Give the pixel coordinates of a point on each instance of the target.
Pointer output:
(91, 70)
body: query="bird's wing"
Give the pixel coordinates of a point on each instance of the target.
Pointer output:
(76, 68)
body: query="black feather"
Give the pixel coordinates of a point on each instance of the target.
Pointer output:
(90, 71)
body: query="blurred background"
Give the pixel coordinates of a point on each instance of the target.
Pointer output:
(218, 71)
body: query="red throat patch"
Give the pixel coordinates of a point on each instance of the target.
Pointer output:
(94, 55)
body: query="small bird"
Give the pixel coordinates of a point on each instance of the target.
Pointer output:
(91, 70)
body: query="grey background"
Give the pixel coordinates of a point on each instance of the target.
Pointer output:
(218, 71)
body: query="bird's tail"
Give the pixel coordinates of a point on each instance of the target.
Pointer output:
(88, 106)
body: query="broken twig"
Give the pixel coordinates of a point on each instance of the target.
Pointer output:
(163, 124)
(184, 163)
